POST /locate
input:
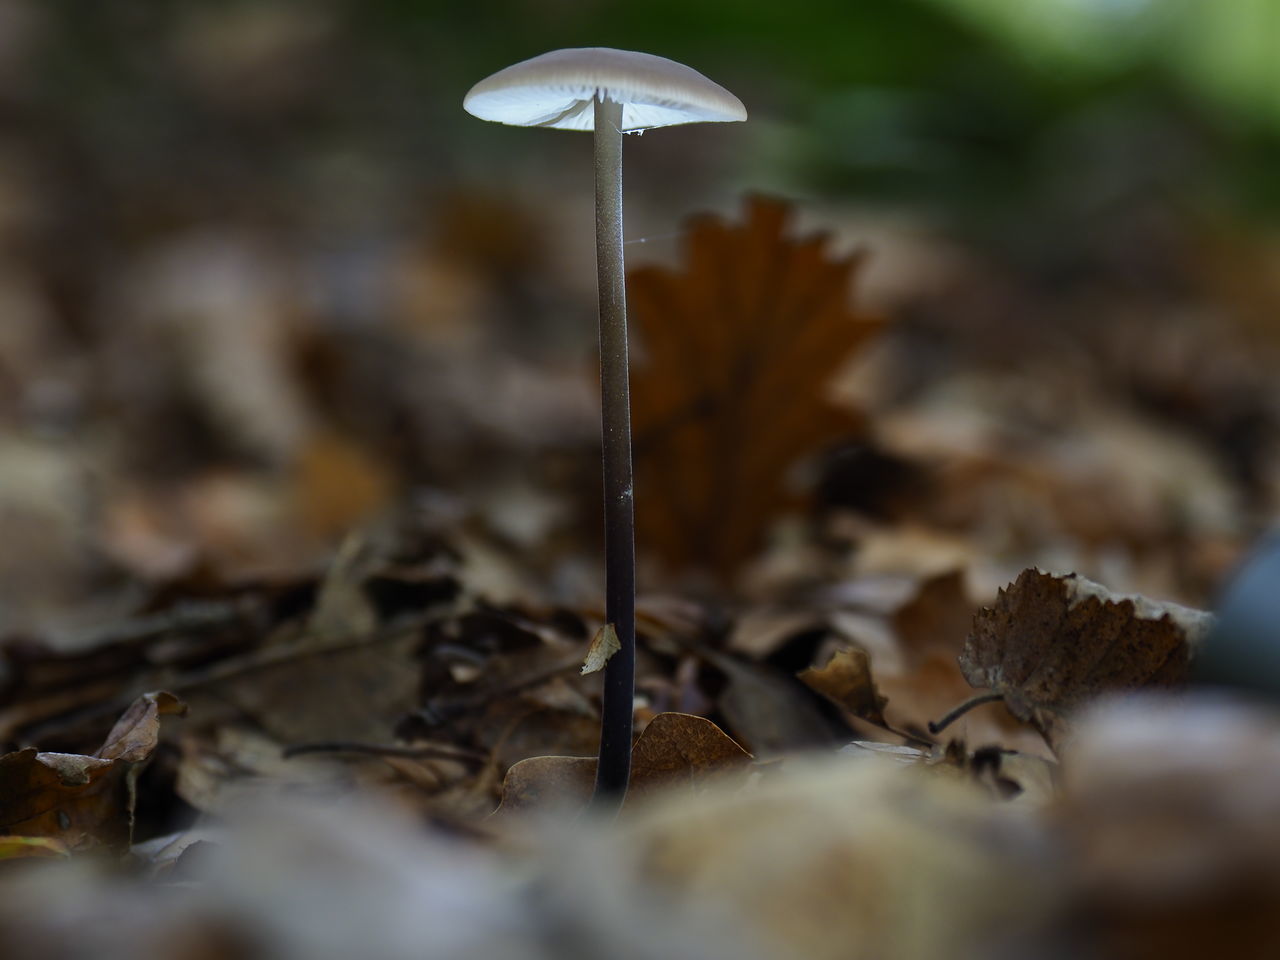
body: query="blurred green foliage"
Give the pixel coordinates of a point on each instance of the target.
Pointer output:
(983, 108)
(993, 114)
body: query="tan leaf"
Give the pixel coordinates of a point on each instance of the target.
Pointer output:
(603, 646)
(548, 783)
(739, 349)
(675, 749)
(1052, 643)
(846, 681)
(679, 748)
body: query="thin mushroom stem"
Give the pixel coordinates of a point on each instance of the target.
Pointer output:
(613, 769)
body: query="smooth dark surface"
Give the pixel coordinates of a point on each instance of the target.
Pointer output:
(1243, 650)
(614, 769)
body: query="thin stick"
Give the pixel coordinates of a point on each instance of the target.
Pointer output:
(964, 708)
(614, 767)
(430, 752)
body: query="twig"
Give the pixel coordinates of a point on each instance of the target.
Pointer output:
(960, 711)
(428, 751)
(37, 727)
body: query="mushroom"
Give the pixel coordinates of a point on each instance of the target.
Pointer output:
(610, 92)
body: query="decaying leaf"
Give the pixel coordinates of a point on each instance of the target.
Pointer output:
(846, 681)
(1052, 643)
(603, 646)
(679, 748)
(549, 783)
(675, 749)
(82, 802)
(738, 349)
(136, 734)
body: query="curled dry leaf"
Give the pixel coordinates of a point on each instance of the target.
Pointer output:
(603, 646)
(82, 802)
(1053, 643)
(846, 681)
(137, 732)
(739, 350)
(675, 749)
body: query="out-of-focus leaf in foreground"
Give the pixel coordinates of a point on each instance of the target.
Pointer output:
(1171, 810)
(738, 352)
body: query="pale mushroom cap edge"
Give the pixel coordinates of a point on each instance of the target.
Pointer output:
(556, 89)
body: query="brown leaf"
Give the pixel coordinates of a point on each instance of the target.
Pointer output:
(679, 748)
(83, 802)
(548, 783)
(675, 749)
(739, 350)
(846, 681)
(937, 617)
(1052, 643)
(135, 735)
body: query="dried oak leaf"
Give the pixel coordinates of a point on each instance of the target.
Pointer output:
(83, 802)
(739, 349)
(1052, 643)
(675, 749)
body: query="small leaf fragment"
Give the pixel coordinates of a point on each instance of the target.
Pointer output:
(603, 646)
(134, 737)
(846, 681)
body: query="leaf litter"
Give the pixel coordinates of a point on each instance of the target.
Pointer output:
(356, 714)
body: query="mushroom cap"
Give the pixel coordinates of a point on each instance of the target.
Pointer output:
(556, 90)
